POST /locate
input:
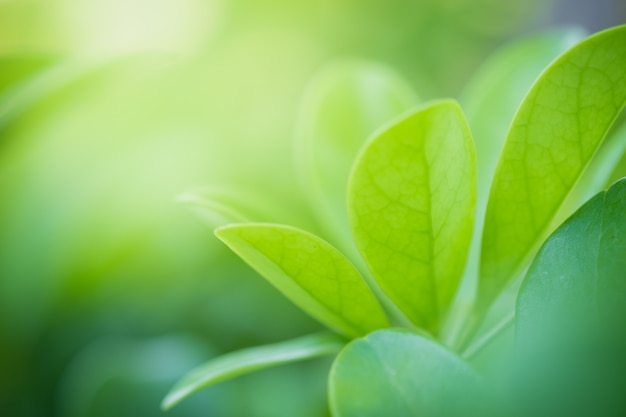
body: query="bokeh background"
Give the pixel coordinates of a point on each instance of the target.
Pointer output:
(110, 110)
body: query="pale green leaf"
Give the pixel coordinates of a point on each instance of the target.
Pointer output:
(248, 360)
(21, 96)
(220, 205)
(401, 374)
(216, 207)
(411, 205)
(310, 272)
(345, 103)
(555, 133)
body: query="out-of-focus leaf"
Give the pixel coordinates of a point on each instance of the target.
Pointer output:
(343, 106)
(15, 99)
(310, 272)
(555, 133)
(248, 360)
(126, 377)
(401, 374)
(411, 202)
(18, 68)
(223, 205)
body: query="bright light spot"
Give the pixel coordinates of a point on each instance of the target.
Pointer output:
(123, 26)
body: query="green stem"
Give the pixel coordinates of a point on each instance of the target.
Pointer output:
(488, 336)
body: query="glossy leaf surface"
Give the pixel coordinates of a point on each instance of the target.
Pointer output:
(310, 272)
(555, 133)
(401, 374)
(248, 360)
(411, 205)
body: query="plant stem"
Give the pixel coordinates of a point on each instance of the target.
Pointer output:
(488, 336)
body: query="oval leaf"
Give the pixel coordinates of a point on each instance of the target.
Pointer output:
(248, 360)
(310, 272)
(411, 205)
(556, 131)
(345, 103)
(401, 374)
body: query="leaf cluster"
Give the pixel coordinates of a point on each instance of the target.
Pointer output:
(434, 230)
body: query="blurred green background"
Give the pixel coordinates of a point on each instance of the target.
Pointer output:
(109, 109)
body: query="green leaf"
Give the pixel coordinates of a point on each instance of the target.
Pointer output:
(617, 160)
(570, 332)
(216, 207)
(16, 68)
(248, 360)
(579, 273)
(401, 374)
(411, 205)
(602, 171)
(220, 205)
(344, 104)
(310, 272)
(42, 83)
(489, 101)
(496, 91)
(555, 133)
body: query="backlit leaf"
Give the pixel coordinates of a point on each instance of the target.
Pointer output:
(555, 133)
(496, 91)
(411, 202)
(489, 101)
(310, 272)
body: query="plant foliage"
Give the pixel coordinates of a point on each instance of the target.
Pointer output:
(416, 200)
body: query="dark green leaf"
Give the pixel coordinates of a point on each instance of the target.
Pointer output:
(579, 275)
(570, 332)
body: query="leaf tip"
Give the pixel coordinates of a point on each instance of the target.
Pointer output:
(170, 400)
(177, 393)
(225, 232)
